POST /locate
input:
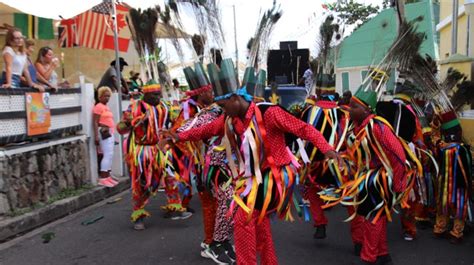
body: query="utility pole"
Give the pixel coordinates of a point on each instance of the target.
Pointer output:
(117, 62)
(235, 38)
(119, 74)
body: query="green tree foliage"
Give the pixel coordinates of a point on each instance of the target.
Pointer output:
(354, 13)
(389, 3)
(328, 33)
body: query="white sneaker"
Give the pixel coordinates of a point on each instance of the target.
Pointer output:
(408, 237)
(139, 225)
(218, 254)
(178, 215)
(204, 247)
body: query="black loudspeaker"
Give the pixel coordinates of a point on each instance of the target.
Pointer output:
(282, 65)
(288, 45)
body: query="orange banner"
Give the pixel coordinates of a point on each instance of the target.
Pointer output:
(38, 115)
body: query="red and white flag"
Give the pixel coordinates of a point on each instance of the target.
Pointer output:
(95, 28)
(92, 27)
(123, 31)
(67, 33)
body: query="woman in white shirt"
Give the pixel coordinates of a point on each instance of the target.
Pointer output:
(45, 65)
(15, 60)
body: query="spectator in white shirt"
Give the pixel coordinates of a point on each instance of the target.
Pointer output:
(15, 61)
(308, 78)
(45, 64)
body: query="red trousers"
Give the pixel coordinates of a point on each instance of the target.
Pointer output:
(407, 218)
(141, 194)
(315, 201)
(357, 227)
(422, 212)
(374, 238)
(209, 207)
(251, 238)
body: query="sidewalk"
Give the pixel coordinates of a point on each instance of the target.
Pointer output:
(10, 227)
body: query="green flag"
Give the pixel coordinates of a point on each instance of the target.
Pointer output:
(34, 27)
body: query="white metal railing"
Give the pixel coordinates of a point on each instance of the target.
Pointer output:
(65, 108)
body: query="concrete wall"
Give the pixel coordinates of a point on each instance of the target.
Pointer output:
(464, 67)
(467, 123)
(33, 174)
(445, 38)
(446, 8)
(444, 28)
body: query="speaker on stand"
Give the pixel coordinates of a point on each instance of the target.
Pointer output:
(287, 65)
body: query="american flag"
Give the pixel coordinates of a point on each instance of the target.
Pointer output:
(94, 23)
(103, 8)
(92, 28)
(106, 7)
(67, 33)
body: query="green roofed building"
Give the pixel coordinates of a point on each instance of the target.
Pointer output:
(367, 45)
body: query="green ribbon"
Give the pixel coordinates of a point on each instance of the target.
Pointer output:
(450, 124)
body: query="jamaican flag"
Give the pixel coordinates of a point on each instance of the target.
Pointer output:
(34, 27)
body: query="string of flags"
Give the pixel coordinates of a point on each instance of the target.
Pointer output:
(91, 29)
(94, 29)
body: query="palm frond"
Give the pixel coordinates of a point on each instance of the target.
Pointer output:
(327, 31)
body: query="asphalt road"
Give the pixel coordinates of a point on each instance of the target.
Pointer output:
(111, 240)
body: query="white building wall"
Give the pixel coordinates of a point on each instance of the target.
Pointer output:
(355, 78)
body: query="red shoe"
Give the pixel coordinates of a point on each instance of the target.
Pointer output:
(105, 182)
(455, 240)
(113, 181)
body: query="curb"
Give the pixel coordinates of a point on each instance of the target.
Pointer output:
(11, 227)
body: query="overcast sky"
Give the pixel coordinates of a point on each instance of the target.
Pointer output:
(300, 20)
